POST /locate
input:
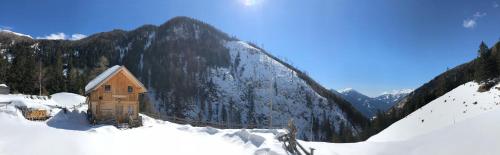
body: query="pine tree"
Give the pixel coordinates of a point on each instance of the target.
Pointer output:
(56, 82)
(21, 77)
(485, 65)
(3, 68)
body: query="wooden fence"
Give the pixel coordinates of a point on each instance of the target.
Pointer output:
(220, 125)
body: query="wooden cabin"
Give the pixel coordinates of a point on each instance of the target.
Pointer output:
(113, 97)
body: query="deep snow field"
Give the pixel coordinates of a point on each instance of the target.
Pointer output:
(446, 129)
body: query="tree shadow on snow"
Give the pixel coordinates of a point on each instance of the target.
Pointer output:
(71, 120)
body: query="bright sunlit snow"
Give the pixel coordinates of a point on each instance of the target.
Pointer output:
(456, 126)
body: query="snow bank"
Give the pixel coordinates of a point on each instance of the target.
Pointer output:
(67, 99)
(28, 101)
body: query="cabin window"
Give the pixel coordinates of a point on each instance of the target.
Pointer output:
(107, 88)
(130, 89)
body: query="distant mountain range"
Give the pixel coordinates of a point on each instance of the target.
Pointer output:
(369, 106)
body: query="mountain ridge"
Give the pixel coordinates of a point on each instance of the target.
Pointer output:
(370, 106)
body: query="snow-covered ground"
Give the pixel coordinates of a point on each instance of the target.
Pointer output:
(461, 122)
(457, 126)
(457, 105)
(69, 133)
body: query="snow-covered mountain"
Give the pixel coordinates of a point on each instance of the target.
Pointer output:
(369, 106)
(193, 71)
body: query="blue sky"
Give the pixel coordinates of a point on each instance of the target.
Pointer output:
(371, 46)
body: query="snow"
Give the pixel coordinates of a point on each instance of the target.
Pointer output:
(15, 33)
(150, 39)
(397, 92)
(473, 132)
(345, 90)
(457, 105)
(271, 83)
(370, 106)
(28, 101)
(465, 124)
(67, 99)
(101, 77)
(3, 85)
(476, 135)
(69, 133)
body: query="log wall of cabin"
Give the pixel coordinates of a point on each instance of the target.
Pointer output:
(108, 104)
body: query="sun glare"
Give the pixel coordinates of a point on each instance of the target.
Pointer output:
(249, 2)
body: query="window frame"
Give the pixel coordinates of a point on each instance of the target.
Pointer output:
(107, 91)
(130, 89)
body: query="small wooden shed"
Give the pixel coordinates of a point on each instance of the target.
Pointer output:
(4, 89)
(113, 97)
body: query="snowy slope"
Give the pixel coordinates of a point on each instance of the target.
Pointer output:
(256, 81)
(475, 135)
(457, 105)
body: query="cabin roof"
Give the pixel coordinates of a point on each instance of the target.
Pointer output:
(106, 75)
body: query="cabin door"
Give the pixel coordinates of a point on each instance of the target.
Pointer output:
(119, 110)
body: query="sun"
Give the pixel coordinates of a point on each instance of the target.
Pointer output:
(249, 2)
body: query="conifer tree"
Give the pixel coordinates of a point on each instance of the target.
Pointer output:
(485, 65)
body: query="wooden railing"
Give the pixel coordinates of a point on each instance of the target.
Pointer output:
(220, 125)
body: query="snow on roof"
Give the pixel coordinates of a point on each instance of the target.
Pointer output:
(3, 85)
(101, 77)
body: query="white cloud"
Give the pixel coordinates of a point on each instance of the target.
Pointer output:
(479, 14)
(495, 5)
(472, 21)
(469, 23)
(54, 36)
(62, 36)
(77, 36)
